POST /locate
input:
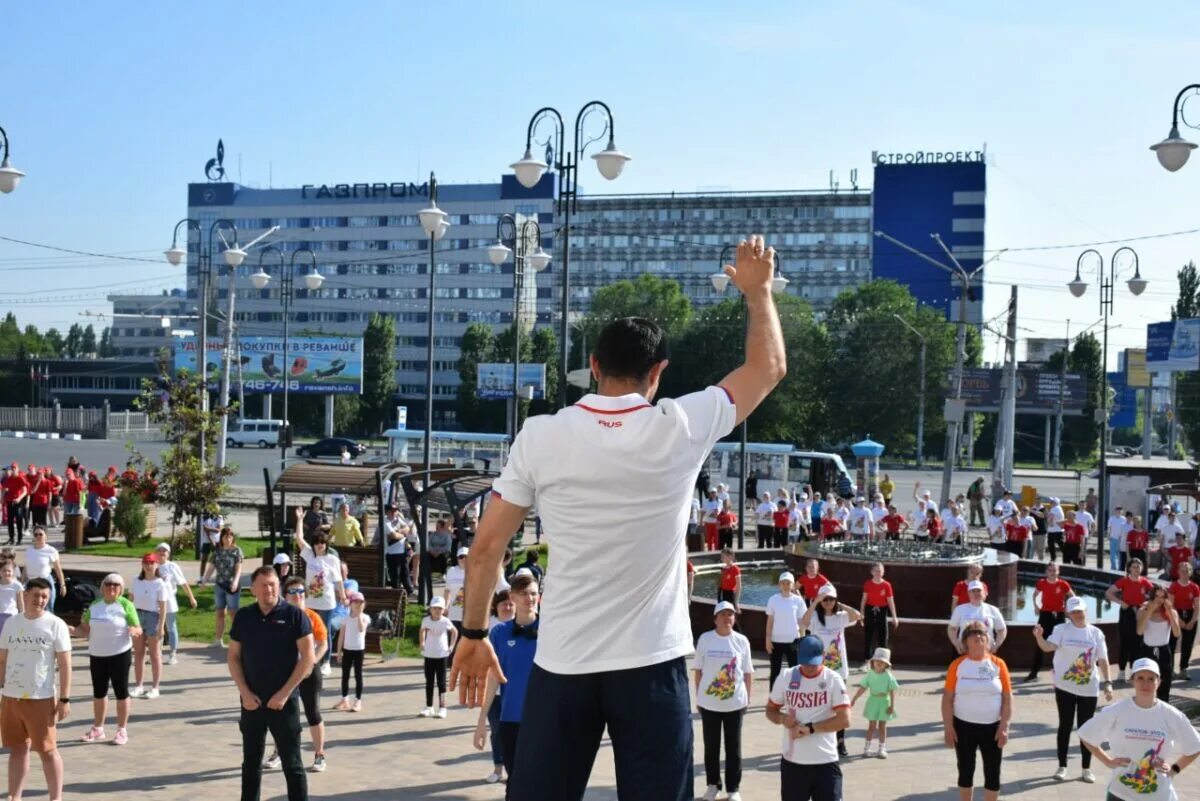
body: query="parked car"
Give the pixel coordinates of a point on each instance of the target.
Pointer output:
(331, 446)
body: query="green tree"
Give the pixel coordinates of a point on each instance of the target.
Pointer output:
(106, 347)
(54, 341)
(1080, 433)
(74, 342)
(544, 350)
(87, 343)
(478, 345)
(379, 374)
(1187, 384)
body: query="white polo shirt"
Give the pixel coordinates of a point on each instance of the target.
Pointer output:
(611, 478)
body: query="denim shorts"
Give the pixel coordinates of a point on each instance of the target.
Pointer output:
(224, 599)
(149, 621)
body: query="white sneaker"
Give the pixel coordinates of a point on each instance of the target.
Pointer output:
(218, 643)
(171, 659)
(138, 692)
(273, 761)
(882, 751)
(152, 693)
(441, 713)
(493, 777)
(325, 669)
(1122, 678)
(711, 793)
(736, 795)
(1088, 776)
(1061, 774)
(867, 748)
(427, 712)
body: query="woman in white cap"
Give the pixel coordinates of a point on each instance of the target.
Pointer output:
(110, 623)
(456, 579)
(1149, 741)
(723, 675)
(1158, 626)
(326, 588)
(785, 610)
(1081, 668)
(150, 598)
(283, 567)
(976, 710)
(828, 620)
(976, 609)
(172, 576)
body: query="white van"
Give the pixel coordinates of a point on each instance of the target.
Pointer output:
(263, 433)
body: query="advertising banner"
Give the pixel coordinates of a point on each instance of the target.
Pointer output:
(323, 365)
(1173, 347)
(1123, 411)
(1037, 390)
(1136, 374)
(493, 380)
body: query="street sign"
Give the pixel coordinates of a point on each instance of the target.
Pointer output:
(1136, 374)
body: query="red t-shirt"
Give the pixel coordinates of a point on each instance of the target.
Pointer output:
(892, 523)
(810, 585)
(1073, 534)
(1054, 596)
(72, 490)
(1179, 554)
(726, 520)
(15, 487)
(1184, 597)
(691, 569)
(1133, 592)
(1015, 532)
(41, 495)
(961, 596)
(934, 527)
(830, 526)
(780, 516)
(729, 577)
(1137, 540)
(877, 594)
(56, 484)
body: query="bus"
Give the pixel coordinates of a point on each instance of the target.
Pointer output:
(780, 465)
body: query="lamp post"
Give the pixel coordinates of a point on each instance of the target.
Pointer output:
(920, 392)
(507, 230)
(720, 281)
(529, 170)
(1137, 285)
(234, 257)
(10, 176)
(1172, 152)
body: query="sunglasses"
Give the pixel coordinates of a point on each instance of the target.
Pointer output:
(296, 591)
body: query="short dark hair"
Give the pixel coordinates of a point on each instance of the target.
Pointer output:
(629, 347)
(522, 582)
(263, 570)
(37, 584)
(293, 581)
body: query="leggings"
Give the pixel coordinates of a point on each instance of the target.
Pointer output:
(16, 522)
(1187, 639)
(1047, 620)
(713, 724)
(1071, 553)
(435, 669)
(779, 652)
(352, 659)
(494, 725)
(310, 696)
(1164, 655)
(875, 633)
(1131, 643)
(981, 736)
(114, 669)
(1073, 710)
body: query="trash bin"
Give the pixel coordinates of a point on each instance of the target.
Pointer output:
(74, 532)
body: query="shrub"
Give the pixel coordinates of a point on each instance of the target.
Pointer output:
(130, 516)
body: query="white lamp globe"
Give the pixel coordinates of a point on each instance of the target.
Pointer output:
(778, 284)
(431, 218)
(610, 161)
(175, 255)
(9, 177)
(1173, 152)
(314, 280)
(164, 322)
(1137, 284)
(442, 228)
(719, 281)
(1078, 286)
(235, 256)
(539, 260)
(260, 279)
(498, 253)
(528, 170)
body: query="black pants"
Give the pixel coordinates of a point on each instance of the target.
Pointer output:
(781, 536)
(980, 737)
(1187, 639)
(1071, 553)
(397, 572)
(1073, 711)
(647, 711)
(284, 726)
(713, 724)
(766, 535)
(875, 630)
(1054, 544)
(509, 732)
(16, 522)
(435, 670)
(1131, 643)
(111, 669)
(810, 782)
(779, 652)
(1165, 657)
(352, 659)
(1047, 620)
(38, 514)
(1140, 553)
(310, 697)
(724, 538)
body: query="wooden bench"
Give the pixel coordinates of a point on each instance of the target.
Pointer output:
(384, 599)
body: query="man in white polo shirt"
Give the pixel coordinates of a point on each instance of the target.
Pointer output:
(611, 478)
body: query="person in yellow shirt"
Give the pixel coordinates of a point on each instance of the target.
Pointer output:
(886, 488)
(345, 530)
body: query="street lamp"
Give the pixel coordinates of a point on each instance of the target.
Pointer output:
(176, 255)
(10, 176)
(920, 392)
(720, 281)
(1137, 285)
(1173, 152)
(529, 170)
(508, 230)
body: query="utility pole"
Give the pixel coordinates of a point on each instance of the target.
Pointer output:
(1172, 429)
(1010, 400)
(226, 354)
(1062, 391)
(920, 393)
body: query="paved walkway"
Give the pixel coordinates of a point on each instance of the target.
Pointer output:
(185, 745)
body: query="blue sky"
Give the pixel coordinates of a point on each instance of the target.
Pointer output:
(113, 108)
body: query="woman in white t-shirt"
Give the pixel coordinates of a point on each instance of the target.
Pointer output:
(1080, 661)
(12, 602)
(150, 600)
(352, 647)
(172, 576)
(1158, 626)
(976, 710)
(110, 624)
(456, 580)
(785, 610)
(828, 620)
(323, 571)
(1149, 741)
(722, 665)
(41, 561)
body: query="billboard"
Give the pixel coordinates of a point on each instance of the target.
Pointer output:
(1122, 413)
(493, 380)
(323, 365)
(1136, 374)
(1037, 390)
(1173, 346)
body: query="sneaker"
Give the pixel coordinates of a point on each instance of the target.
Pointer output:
(138, 692)
(152, 692)
(218, 643)
(1088, 776)
(441, 713)
(343, 705)
(493, 777)
(95, 735)
(1031, 677)
(1061, 774)
(882, 751)
(121, 738)
(734, 796)
(273, 761)
(319, 763)
(171, 659)
(427, 712)
(325, 669)
(868, 748)
(711, 793)
(357, 706)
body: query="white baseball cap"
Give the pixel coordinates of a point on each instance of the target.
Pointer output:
(826, 591)
(281, 559)
(437, 602)
(786, 576)
(1075, 604)
(723, 606)
(1145, 663)
(974, 585)
(162, 546)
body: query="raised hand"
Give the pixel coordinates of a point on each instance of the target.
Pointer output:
(754, 267)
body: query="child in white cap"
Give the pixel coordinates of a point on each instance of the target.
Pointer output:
(881, 686)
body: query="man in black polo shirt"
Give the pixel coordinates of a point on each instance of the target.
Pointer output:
(270, 653)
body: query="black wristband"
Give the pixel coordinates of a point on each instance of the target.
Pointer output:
(1175, 769)
(811, 728)
(64, 700)
(474, 634)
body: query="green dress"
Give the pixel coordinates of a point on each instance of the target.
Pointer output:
(879, 687)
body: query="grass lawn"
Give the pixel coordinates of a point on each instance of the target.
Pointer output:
(252, 547)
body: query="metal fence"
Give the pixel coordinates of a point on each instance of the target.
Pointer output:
(53, 419)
